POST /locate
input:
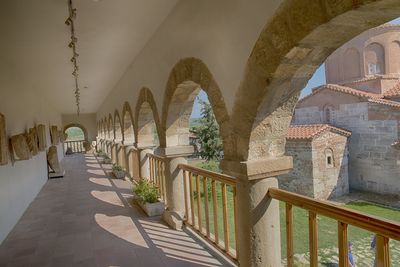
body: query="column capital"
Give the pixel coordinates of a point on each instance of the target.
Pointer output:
(175, 151)
(258, 168)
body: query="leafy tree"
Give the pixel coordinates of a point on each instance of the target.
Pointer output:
(208, 133)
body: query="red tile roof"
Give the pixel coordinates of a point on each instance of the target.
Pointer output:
(309, 131)
(386, 102)
(394, 91)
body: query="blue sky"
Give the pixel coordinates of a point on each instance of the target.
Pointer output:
(316, 80)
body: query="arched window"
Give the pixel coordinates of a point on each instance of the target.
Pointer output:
(329, 159)
(75, 134)
(375, 59)
(328, 114)
(351, 64)
(394, 54)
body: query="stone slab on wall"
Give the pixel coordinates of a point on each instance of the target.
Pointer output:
(3, 141)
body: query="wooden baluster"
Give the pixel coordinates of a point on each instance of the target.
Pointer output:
(186, 196)
(235, 220)
(289, 235)
(205, 190)
(343, 245)
(313, 238)
(151, 168)
(215, 210)
(163, 180)
(191, 198)
(382, 251)
(198, 202)
(225, 216)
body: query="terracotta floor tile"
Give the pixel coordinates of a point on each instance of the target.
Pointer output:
(87, 219)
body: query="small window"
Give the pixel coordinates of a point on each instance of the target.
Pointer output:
(329, 158)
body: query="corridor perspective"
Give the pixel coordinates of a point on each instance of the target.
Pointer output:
(87, 219)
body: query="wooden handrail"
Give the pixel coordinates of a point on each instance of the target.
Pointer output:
(213, 175)
(367, 222)
(156, 156)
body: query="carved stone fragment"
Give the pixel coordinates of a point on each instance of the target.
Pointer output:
(3, 141)
(87, 146)
(52, 159)
(20, 147)
(55, 139)
(63, 136)
(41, 133)
(32, 140)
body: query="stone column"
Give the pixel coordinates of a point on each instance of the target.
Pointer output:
(144, 163)
(258, 215)
(176, 155)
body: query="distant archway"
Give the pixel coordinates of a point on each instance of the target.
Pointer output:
(75, 132)
(110, 127)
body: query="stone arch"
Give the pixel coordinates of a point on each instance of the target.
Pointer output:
(105, 128)
(186, 79)
(128, 124)
(80, 126)
(327, 114)
(394, 56)
(293, 44)
(146, 119)
(110, 127)
(351, 64)
(374, 58)
(118, 135)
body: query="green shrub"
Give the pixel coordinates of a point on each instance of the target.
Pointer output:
(146, 191)
(211, 165)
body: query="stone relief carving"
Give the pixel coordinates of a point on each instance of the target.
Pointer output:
(3, 141)
(63, 136)
(41, 133)
(32, 140)
(55, 139)
(19, 147)
(53, 163)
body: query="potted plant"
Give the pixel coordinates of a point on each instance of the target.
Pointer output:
(106, 158)
(148, 198)
(118, 171)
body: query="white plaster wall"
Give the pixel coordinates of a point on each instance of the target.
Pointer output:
(86, 120)
(22, 108)
(220, 33)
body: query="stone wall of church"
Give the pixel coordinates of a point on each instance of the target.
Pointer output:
(331, 176)
(300, 178)
(374, 165)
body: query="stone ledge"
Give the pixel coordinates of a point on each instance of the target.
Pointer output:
(174, 151)
(258, 169)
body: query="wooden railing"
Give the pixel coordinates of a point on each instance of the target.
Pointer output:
(383, 229)
(203, 209)
(157, 174)
(76, 146)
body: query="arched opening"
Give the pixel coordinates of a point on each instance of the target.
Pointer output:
(394, 56)
(193, 76)
(351, 65)
(110, 128)
(76, 138)
(375, 59)
(147, 120)
(128, 125)
(118, 137)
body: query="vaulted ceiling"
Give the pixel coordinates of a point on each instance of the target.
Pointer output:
(111, 33)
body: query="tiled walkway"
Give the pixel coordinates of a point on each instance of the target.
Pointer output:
(86, 219)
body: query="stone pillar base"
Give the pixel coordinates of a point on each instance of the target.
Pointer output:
(174, 219)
